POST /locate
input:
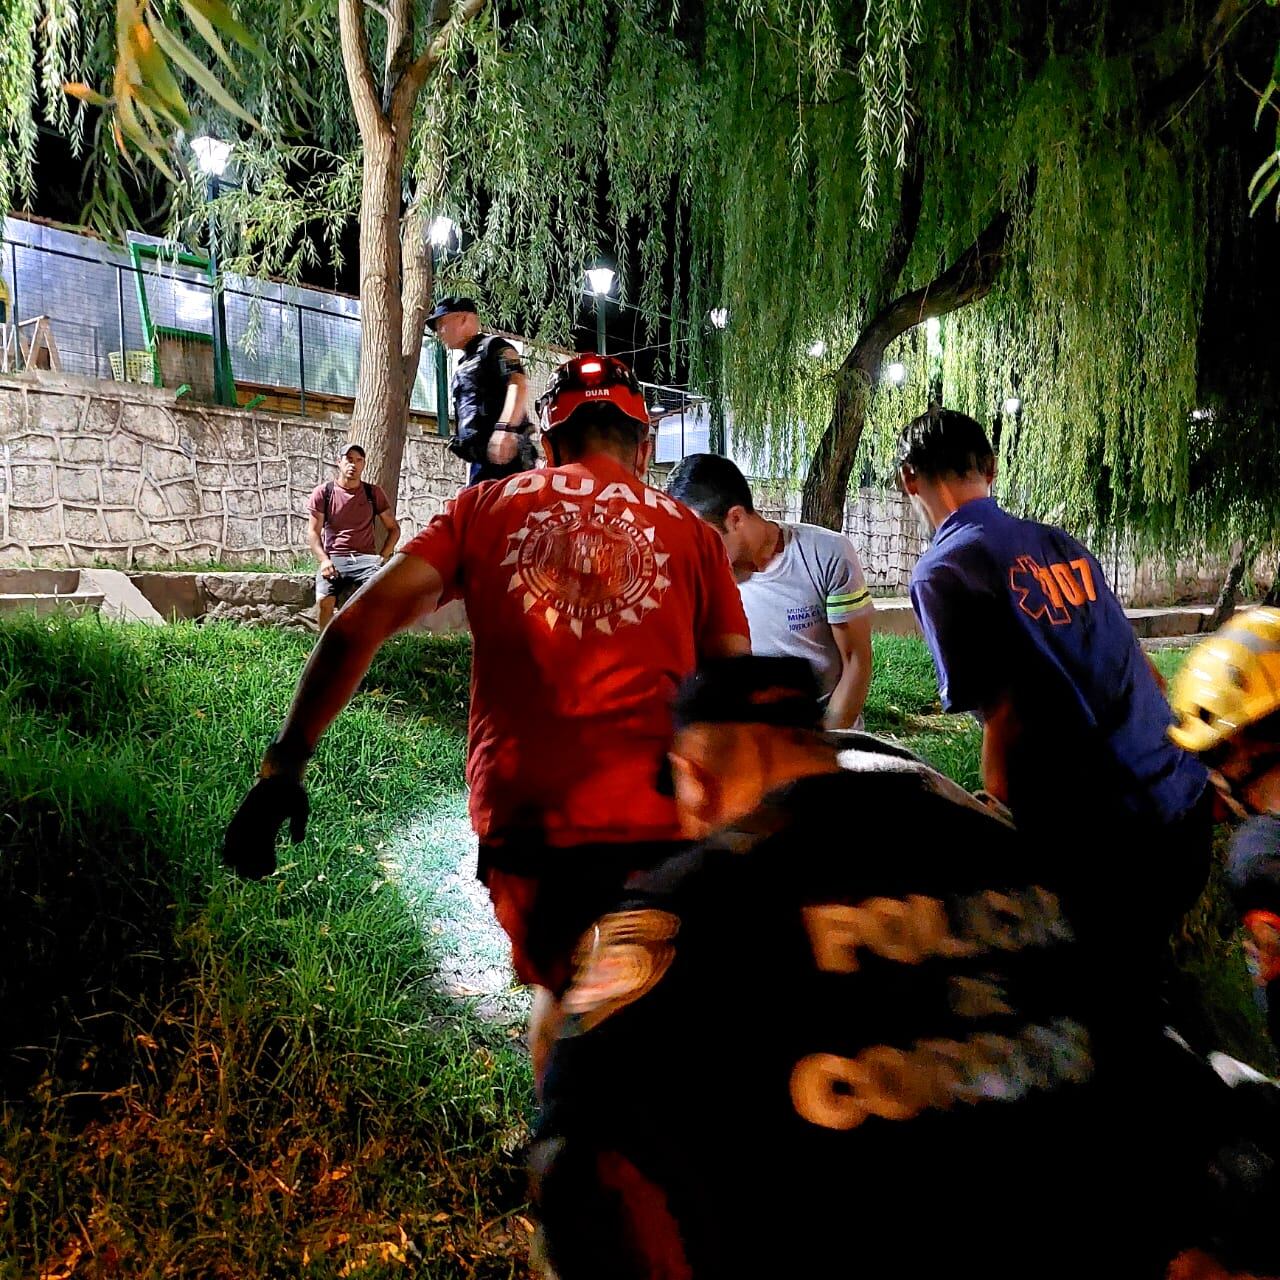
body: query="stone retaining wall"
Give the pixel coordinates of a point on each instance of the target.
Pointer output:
(124, 475)
(121, 474)
(266, 599)
(883, 527)
(260, 599)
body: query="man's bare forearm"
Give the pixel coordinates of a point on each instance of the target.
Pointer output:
(333, 673)
(514, 406)
(402, 591)
(1000, 732)
(849, 696)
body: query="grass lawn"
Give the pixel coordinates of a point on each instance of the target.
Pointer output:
(207, 1078)
(319, 1075)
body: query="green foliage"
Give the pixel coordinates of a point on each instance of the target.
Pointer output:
(146, 102)
(751, 155)
(211, 1078)
(579, 132)
(1263, 184)
(1096, 317)
(20, 91)
(1102, 342)
(903, 684)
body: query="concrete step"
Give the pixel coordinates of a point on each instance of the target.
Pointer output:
(54, 582)
(75, 604)
(122, 601)
(1174, 621)
(894, 616)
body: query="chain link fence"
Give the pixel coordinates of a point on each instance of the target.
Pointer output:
(90, 295)
(289, 345)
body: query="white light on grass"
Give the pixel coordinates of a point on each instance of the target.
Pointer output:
(1012, 406)
(817, 349)
(895, 374)
(1202, 415)
(719, 317)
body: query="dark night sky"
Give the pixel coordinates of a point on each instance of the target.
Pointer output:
(61, 193)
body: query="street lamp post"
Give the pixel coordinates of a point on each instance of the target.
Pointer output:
(719, 317)
(211, 157)
(600, 282)
(442, 233)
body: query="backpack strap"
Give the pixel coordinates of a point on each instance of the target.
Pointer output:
(328, 494)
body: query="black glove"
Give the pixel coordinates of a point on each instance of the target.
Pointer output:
(249, 847)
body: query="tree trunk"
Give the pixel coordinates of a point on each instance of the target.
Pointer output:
(394, 293)
(1272, 598)
(419, 282)
(1226, 602)
(968, 279)
(415, 246)
(824, 488)
(381, 409)
(827, 483)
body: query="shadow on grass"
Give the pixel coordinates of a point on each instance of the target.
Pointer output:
(89, 932)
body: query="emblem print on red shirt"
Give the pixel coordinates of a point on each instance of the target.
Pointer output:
(587, 566)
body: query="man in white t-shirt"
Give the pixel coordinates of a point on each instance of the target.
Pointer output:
(802, 586)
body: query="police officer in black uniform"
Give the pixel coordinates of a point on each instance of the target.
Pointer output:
(490, 394)
(851, 1034)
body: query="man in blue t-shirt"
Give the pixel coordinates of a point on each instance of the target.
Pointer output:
(1026, 634)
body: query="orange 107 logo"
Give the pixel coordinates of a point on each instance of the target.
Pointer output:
(1051, 591)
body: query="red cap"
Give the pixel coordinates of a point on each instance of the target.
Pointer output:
(592, 379)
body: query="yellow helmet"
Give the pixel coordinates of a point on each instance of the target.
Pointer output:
(1228, 681)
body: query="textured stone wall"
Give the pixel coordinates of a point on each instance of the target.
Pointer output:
(889, 539)
(880, 523)
(888, 536)
(258, 599)
(126, 475)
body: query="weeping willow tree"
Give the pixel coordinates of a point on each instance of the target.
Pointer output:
(550, 134)
(1033, 177)
(293, 83)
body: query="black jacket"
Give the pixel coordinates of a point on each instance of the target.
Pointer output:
(479, 392)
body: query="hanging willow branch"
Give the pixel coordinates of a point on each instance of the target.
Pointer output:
(146, 103)
(967, 280)
(761, 166)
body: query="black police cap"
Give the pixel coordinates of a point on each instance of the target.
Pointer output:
(446, 306)
(782, 692)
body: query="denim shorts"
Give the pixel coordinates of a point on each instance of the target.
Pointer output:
(353, 572)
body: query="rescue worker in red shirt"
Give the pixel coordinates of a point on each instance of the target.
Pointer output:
(591, 596)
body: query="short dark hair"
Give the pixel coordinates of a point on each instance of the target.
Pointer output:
(782, 692)
(711, 485)
(593, 427)
(943, 442)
